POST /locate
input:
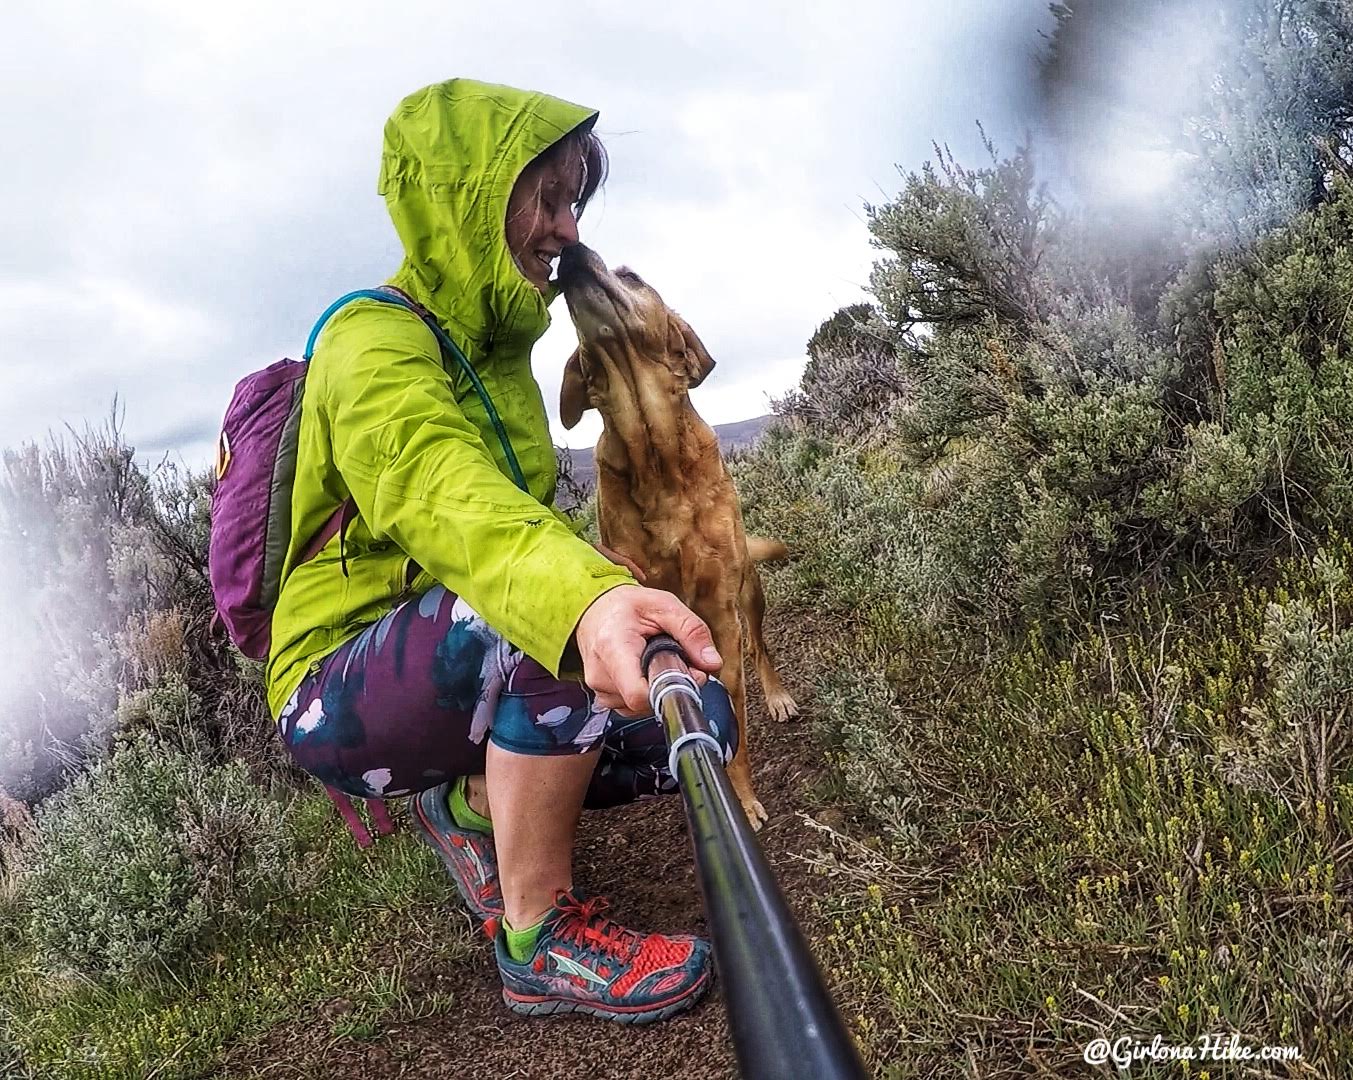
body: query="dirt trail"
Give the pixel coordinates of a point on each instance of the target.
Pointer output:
(639, 857)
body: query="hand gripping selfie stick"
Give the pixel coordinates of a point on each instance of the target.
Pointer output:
(784, 1024)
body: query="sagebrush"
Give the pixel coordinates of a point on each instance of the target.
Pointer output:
(145, 860)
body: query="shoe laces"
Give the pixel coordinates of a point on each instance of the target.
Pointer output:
(582, 922)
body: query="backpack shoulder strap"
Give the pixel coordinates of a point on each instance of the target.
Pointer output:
(337, 523)
(388, 294)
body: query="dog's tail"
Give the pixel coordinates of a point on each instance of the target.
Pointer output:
(763, 550)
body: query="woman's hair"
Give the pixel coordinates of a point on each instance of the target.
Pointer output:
(587, 145)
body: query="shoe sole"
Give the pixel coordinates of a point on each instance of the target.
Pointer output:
(439, 845)
(529, 1006)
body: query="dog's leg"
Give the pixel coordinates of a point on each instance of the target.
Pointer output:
(778, 701)
(727, 632)
(349, 812)
(740, 768)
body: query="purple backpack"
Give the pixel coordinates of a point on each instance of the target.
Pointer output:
(255, 471)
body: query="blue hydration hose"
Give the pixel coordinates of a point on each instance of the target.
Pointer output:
(392, 296)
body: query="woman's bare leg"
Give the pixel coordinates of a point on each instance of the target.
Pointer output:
(477, 795)
(535, 802)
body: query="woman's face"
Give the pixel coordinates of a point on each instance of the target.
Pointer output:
(541, 221)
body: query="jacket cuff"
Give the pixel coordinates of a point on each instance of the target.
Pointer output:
(555, 651)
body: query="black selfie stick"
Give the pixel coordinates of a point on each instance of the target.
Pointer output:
(783, 1021)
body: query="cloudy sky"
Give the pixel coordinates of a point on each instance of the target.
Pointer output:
(186, 186)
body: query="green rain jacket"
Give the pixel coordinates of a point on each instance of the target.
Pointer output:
(384, 422)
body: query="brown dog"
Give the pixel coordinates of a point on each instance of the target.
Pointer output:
(664, 497)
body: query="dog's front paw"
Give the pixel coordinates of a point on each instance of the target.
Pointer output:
(756, 813)
(781, 707)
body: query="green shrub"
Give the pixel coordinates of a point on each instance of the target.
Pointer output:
(852, 378)
(1016, 461)
(169, 710)
(1276, 335)
(92, 548)
(369, 926)
(12, 1064)
(145, 859)
(1081, 672)
(1294, 743)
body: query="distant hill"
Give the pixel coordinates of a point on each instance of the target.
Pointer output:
(735, 436)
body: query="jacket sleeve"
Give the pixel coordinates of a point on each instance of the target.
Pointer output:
(571, 524)
(421, 475)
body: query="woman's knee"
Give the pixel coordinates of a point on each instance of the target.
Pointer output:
(539, 714)
(719, 714)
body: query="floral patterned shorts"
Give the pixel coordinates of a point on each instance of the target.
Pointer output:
(409, 702)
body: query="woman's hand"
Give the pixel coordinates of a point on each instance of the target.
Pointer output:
(612, 634)
(622, 560)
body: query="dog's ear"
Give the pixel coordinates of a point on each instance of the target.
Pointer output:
(686, 353)
(573, 392)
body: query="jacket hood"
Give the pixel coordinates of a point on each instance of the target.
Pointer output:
(451, 156)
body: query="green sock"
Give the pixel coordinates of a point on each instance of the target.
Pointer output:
(521, 944)
(462, 813)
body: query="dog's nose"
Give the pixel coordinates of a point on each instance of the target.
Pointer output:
(572, 262)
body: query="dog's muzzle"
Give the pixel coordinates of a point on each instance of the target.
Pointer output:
(578, 264)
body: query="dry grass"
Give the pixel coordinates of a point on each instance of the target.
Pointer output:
(17, 831)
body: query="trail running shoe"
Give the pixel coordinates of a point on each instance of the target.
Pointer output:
(468, 855)
(586, 963)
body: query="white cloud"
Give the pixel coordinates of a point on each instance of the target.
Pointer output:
(189, 185)
(87, 340)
